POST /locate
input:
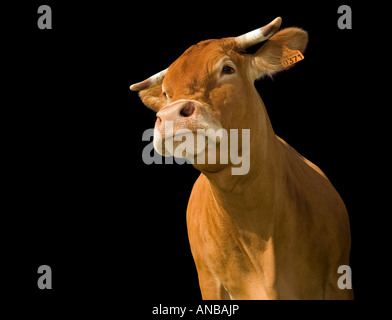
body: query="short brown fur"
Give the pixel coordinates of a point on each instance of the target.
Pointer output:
(279, 232)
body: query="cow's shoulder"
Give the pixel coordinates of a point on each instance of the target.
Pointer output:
(294, 154)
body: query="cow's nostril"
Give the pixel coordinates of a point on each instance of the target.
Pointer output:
(188, 110)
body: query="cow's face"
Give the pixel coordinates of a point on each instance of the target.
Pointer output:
(210, 87)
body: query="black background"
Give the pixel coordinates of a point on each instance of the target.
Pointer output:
(79, 197)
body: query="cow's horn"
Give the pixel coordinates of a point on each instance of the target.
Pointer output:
(256, 36)
(149, 82)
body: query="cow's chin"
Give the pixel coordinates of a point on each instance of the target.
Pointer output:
(199, 148)
(183, 145)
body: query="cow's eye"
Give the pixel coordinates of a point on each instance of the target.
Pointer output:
(228, 70)
(166, 96)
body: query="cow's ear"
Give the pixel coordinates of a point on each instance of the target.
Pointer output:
(269, 59)
(153, 97)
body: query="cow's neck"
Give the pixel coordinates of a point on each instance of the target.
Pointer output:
(252, 197)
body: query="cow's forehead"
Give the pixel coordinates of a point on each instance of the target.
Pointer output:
(197, 62)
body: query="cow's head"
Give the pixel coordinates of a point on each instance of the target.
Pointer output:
(210, 86)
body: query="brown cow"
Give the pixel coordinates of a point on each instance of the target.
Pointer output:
(281, 231)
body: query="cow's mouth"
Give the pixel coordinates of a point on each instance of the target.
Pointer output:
(185, 143)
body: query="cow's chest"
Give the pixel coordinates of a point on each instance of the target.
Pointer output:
(216, 245)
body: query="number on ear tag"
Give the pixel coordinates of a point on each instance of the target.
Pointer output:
(289, 57)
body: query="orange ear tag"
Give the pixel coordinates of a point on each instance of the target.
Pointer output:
(289, 57)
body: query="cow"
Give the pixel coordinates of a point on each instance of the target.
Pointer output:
(280, 231)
